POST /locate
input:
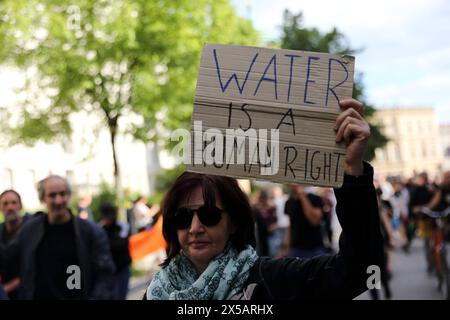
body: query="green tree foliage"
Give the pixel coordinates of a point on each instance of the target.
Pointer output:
(297, 37)
(105, 195)
(112, 58)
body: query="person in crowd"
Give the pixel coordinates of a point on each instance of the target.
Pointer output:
(118, 234)
(280, 232)
(386, 233)
(441, 197)
(328, 208)
(209, 228)
(400, 206)
(265, 218)
(10, 206)
(305, 215)
(84, 210)
(59, 255)
(420, 196)
(142, 214)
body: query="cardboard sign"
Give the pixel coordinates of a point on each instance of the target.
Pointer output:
(269, 114)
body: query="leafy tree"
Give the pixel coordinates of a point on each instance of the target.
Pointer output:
(297, 37)
(113, 59)
(105, 195)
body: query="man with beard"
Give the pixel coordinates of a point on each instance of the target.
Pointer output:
(10, 206)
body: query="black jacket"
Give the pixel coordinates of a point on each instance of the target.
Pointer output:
(118, 235)
(340, 276)
(93, 250)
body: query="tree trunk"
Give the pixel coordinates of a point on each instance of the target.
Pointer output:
(112, 125)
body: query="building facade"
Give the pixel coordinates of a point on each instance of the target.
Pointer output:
(414, 144)
(444, 131)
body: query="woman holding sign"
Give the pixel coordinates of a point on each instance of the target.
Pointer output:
(209, 229)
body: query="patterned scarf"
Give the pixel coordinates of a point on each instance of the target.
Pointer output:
(224, 277)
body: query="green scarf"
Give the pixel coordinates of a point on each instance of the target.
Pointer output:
(224, 277)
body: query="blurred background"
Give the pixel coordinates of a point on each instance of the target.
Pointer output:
(91, 90)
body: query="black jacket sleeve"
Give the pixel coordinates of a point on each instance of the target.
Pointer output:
(10, 257)
(2, 258)
(340, 276)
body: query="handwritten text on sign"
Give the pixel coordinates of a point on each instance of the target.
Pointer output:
(269, 114)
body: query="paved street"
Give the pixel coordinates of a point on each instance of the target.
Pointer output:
(137, 288)
(410, 280)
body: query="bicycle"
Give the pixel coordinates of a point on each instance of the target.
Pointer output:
(439, 249)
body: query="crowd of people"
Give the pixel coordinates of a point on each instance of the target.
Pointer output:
(298, 224)
(402, 202)
(36, 250)
(302, 223)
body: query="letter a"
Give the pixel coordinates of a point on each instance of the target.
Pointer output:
(73, 281)
(373, 281)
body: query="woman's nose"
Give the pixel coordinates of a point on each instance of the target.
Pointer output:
(196, 225)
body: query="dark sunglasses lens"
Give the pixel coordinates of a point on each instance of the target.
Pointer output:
(183, 218)
(209, 216)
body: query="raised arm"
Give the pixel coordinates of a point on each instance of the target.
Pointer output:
(344, 275)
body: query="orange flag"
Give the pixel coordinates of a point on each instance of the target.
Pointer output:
(146, 242)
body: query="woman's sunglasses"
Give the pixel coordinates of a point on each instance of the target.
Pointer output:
(208, 216)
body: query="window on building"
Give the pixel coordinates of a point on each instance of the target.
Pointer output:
(386, 153)
(6, 181)
(397, 152)
(394, 126)
(432, 151)
(424, 150)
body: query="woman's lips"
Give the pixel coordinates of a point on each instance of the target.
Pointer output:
(199, 244)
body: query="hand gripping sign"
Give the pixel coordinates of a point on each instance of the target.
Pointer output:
(269, 114)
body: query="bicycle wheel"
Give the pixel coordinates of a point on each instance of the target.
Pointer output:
(445, 275)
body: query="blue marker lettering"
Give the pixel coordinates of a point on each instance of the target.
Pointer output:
(329, 78)
(307, 79)
(234, 76)
(274, 80)
(292, 56)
